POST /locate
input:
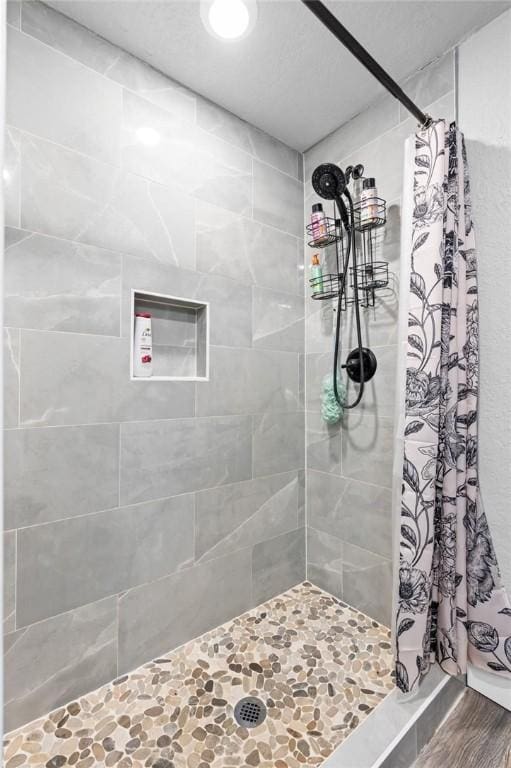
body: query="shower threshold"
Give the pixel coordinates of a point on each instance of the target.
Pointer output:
(319, 666)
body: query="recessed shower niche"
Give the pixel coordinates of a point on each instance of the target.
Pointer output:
(180, 336)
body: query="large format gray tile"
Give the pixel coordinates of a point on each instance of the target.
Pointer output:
(80, 198)
(158, 617)
(235, 516)
(160, 147)
(156, 144)
(12, 177)
(60, 472)
(278, 199)
(52, 96)
(9, 576)
(353, 511)
(277, 320)
(325, 501)
(67, 36)
(278, 442)
(323, 444)
(13, 13)
(366, 512)
(324, 561)
(11, 354)
(277, 565)
(166, 458)
(77, 379)
(368, 448)
(249, 381)
(363, 128)
(52, 662)
(70, 563)
(227, 126)
(367, 583)
(53, 284)
(317, 366)
(246, 250)
(230, 318)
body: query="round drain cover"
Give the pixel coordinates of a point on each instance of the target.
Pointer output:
(250, 712)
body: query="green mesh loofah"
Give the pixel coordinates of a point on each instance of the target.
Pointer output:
(331, 411)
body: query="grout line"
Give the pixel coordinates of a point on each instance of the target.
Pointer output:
(126, 507)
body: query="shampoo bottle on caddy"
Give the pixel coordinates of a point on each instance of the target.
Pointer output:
(143, 345)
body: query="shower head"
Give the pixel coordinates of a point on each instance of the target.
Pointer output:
(329, 181)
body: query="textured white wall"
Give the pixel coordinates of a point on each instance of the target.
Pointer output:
(484, 101)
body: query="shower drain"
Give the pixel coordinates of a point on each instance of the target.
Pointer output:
(250, 712)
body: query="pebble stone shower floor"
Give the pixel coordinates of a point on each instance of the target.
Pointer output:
(318, 665)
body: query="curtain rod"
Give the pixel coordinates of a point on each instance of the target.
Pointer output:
(365, 58)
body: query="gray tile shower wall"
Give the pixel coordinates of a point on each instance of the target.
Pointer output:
(139, 515)
(349, 467)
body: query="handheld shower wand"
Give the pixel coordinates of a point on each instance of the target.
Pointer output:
(330, 183)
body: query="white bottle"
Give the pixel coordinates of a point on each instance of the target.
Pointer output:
(143, 345)
(369, 203)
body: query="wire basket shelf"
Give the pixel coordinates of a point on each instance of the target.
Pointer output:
(323, 233)
(370, 214)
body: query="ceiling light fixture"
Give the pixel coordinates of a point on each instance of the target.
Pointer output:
(228, 19)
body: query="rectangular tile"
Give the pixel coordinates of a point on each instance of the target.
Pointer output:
(368, 448)
(367, 517)
(55, 661)
(278, 442)
(12, 177)
(249, 381)
(235, 516)
(13, 13)
(277, 565)
(157, 617)
(356, 512)
(238, 247)
(52, 96)
(77, 379)
(9, 576)
(60, 472)
(278, 199)
(67, 36)
(354, 134)
(80, 198)
(260, 145)
(156, 144)
(165, 458)
(324, 561)
(367, 583)
(278, 320)
(323, 444)
(11, 352)
(230, 321)
(325, 502)
(72, 562)
(53, 284)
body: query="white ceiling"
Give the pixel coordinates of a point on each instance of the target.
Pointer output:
(290, 76)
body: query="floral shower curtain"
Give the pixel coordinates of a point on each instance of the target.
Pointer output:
(451, 605)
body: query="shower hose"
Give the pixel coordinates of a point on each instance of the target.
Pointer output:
(350, 250)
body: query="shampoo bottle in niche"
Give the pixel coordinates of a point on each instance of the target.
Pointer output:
(143, 345)
(316, 280)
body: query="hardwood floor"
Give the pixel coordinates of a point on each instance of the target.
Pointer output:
(477, 734)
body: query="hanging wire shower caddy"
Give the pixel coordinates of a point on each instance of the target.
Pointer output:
(372, 273)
